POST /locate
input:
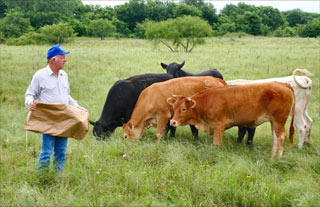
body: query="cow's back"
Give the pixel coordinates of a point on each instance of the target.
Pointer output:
(242, 103)
(156, 95)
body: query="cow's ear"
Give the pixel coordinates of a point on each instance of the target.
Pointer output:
(164, 66)
(171, 100)
(181, 65)
(192, 103)
(130, 125)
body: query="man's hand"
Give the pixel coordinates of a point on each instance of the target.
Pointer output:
(32, 106)
(83, 109)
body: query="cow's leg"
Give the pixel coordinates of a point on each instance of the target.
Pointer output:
(241, 132)
(281, 134)
(217, 134)
(274, 141)
(301, 126)
(309, 125)
(161, 127)
(307, 118)
(251, 132)
(194, 131)
(171, 129)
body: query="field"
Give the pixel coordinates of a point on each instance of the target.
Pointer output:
(179, 171)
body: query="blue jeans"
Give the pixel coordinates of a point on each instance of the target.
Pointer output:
(50, 143)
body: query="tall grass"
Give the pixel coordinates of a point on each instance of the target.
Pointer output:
(179, 171)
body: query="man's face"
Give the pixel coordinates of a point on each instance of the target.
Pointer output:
(60, 61)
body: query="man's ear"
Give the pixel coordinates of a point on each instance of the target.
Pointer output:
(171, 100)
(192, 103)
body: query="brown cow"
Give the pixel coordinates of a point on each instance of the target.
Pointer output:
(152, 108)
(214, 110)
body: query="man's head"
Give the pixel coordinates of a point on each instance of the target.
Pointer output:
(56, 56)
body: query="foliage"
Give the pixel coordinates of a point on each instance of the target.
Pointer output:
(250, 23)
(185, 32)
(295, 17)
(311, 29)
(57, 33)
(121, 27)
(14, 24)
(132, 13)
(45, 12)
(184, 9)
(127, 18)
(271, 17)
(31, 38)
(101, 28)
(285, 32)
(78, 27)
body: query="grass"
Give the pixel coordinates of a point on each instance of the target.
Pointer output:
(179, 171)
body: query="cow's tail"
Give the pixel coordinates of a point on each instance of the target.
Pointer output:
(291, 132)
(304, 72)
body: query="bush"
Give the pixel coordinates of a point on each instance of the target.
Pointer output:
(31, 38)
(101, 28)
(57, 33)
(50, 34)
(14, 24)
(285, 32)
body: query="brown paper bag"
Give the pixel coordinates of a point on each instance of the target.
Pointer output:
(58, 120)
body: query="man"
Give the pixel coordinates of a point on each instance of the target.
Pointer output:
(51, 85)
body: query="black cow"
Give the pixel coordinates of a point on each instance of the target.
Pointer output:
(175, 70)
(121, 100)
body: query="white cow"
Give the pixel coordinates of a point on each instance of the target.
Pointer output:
(302, 90)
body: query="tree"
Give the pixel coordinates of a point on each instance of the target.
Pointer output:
(295, 17)
(14, 24)
(131, 13)
(185, 32)
(101, 28)
(250, 23)
(312, 29)
(184, 9)
(271, 17)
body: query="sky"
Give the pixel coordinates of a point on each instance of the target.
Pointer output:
(282, 5)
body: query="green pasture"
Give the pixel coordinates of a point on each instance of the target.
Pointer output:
(179, 171)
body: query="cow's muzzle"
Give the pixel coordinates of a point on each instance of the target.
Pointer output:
(174, 123)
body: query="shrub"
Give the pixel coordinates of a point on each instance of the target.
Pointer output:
(57, 33)
(31, 38)
(101, 28)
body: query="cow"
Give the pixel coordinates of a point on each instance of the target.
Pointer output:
(302, 90)
(216, 109)
(121, 100)
(175, 70)
(152, 110)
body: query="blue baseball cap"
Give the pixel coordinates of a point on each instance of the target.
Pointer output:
(56, 50)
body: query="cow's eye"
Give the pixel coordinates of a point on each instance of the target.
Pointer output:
(183, 110)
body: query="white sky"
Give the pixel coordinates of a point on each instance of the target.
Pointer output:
(282, 5)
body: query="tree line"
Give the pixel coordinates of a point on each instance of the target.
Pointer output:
(36, 22)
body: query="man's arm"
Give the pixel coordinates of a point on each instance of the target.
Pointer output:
(32, 93)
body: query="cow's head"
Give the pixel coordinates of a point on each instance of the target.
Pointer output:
(129, 132)
(173, 68)
(100, 131)
(182, 109)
